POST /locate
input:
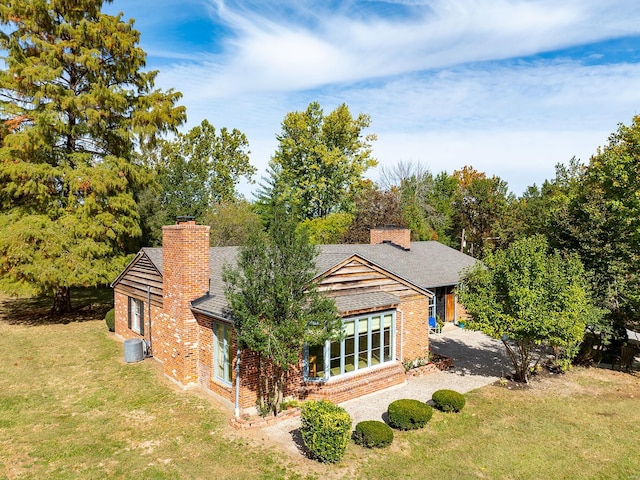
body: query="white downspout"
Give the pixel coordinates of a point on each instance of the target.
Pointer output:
(401, 336)
(237, 409)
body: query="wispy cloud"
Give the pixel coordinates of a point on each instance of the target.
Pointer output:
(279, 49)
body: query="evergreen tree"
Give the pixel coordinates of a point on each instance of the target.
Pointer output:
(276, 305)
(74, 102)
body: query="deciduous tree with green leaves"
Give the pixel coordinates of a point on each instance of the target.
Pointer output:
(195, 172)
(232, 223)
(319, 165)
(74, 103)
(481, 206)
(605, 224)
(276, 305)
(529, 297)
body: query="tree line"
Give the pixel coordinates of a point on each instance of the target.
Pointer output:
(92, 164)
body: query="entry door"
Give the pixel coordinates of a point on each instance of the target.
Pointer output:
(450, 307)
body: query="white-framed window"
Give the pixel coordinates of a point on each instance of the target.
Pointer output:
(136, 315)
(432, 306)
(367, 341)
(222, 352)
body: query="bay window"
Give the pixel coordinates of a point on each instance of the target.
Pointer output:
(367, 341)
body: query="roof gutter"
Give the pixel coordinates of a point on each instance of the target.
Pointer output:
(211, 314)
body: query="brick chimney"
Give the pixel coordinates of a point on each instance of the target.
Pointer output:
(185, 272)
(398, 236)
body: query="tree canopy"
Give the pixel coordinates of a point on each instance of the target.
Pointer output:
(195, 172)
(319, 165)
(74, 103)
(527, 296)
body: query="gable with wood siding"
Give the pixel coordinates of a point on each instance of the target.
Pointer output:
(142, 280)
(356, 275)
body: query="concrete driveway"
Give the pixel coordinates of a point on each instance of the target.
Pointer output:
(478, 360)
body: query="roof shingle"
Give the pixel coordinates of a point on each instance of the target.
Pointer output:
(427, 264)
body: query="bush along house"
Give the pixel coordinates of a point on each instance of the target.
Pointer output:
(173, 298)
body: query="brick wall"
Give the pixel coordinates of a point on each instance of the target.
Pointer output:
(185, 271)
(413, 317)
(397, 235)
(350, 387)
(121, 306)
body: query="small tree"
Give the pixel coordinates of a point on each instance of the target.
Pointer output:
(276, 305)
(527, 297)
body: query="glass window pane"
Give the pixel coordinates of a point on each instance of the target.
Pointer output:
(227, 359)
(375, 323)
(349, 329)
(363, 325)
(375, 347)
(387, 344)
(220, 352)
(334, 364)
(363, 343)
(316, 361)
(349, 354)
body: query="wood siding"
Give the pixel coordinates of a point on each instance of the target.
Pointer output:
(358, 276)
(139, 274)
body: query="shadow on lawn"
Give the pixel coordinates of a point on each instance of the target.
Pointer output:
(87, 304)
(486, 357)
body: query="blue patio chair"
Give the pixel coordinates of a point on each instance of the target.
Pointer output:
(434, 327)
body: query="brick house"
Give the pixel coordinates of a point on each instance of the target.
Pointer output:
(173, 298)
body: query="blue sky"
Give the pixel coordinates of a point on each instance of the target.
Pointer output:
(512, 87)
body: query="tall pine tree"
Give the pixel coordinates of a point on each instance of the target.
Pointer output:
(75, 101)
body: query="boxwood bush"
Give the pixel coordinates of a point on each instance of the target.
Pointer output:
(373, 434)
(110, 319)
(407, 414)
(325, 430)
(448, 400)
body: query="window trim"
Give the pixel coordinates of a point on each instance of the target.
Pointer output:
(355, 320)
(227, 341)
(136, 308)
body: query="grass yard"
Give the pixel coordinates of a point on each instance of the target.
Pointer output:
(71, 408)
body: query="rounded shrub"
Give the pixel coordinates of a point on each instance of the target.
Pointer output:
(407, 414)
(110, 319)
(373, 434)
(448, 400)
(325, 430)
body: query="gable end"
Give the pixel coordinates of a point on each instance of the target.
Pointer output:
(357, 276)
(141, 279)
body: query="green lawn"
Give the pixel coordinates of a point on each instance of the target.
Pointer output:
(71, 408)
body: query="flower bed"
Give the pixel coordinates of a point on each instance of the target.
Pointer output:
(256, 421)
(427, 365)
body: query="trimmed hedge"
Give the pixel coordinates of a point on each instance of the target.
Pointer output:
(407, 414)
(110, 319)
(448, 400)
(325, 430)
(373, 434)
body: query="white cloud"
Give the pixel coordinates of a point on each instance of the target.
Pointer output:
(449, 86)
(271, 51)
(513, 121)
